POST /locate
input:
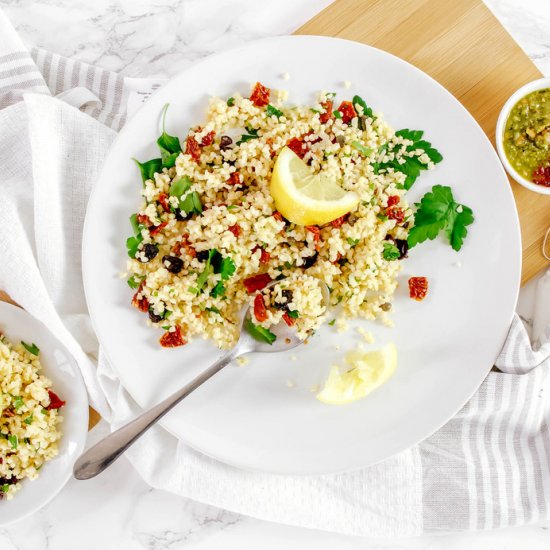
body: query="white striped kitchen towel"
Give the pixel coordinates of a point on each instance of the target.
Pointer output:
(488, 467)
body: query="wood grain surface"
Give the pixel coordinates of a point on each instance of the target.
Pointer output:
(464, 47)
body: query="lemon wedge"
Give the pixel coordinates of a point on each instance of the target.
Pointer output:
(369, 370)
(305, 198)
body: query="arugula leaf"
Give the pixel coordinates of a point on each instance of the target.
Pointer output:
(169, 146)
(352, 242)
(273, 111)
(231, 102)
(13, 441)
(365, 151)
(149, 169)
(18, 402)
(367, 111)
(252, 134)
(411, 166)
(31, 348)
(390, 252)
(259, 333)
(438, 211)
(293, 314)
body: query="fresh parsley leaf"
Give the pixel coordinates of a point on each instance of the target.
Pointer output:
(149, 169)
(273, 111)
(134, 281)
(365, 151)
(352, 242)
(259, 333)
(13, 441)
(214, 310)
(5, 488)
(218, 264)
(31, 348)
(218, 290)
(411, 166)
(293, 314)
(390, 252)
(438, 211)
(28, 420)
(252, 134)
(231, 102)
(331, 323)
(232, 207)
(169, 146)
(18, 402)
(227, 268)
(359, 101)
(330, 95)
(337, 114)
(382, 217)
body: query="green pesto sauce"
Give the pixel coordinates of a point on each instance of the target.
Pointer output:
(527, 133)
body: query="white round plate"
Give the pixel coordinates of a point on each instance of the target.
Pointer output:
(60, 367)
(248, 416)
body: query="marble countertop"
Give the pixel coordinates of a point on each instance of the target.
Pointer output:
(158, 38)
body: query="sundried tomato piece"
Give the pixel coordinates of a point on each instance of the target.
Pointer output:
(140, 303)
(328, 114)
(298, 146)
(347, 111)
(397, 214)
(260, 311)
(235, 229)
(208, 139)
(192, 148)
(257, 282)
(143, 219)
(338, 258)
(260, 95)
(278, 216)
(265, 256)
(172, 339)
(314, 229)
(163, 201)
(393, 200)
(338, 222)
(157, 228)
(235, 178)
(288, 319)
(55, 401)
(418, 288)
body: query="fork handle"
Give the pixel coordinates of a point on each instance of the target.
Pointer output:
(93, 461)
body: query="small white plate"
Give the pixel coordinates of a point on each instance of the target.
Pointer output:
(248, 416)
(60, 367)
(539, 84)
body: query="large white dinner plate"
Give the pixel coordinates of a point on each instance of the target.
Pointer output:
(248, 416)
(61, 368)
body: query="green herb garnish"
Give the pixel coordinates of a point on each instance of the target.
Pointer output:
(218, 264)
(18, 401)
(273, 111)
(134, 281)
(365, 151)
(352, 242)
(132, 243)
(169, 146)
(149, 169)
(29, 420)
(191, 203)
(331, 323)
(259, 333)
(437, 211)
(231, 102)
(337, 114)
(5, 488)
(252, 134)
(293, 314)
(390, 252)
(31, 348)
(232, 207)
(367, 111)
(14, 441)
(214, 310)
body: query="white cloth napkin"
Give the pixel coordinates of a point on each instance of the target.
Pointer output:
(488, 467)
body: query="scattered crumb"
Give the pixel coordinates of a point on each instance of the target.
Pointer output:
(336, 347)
(242, 361)
(367, 336)
(341, 325)
(123, 275)
(458, 264)
(347, 84)
(360, 347)
(315, 388)
(285, 76)
(282, 95)
(290, 383)
(293, 357)
(388, 322)
(306, 341)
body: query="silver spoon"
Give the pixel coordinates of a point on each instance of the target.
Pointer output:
(105, 452)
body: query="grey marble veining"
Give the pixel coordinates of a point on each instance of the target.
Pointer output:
(160, 38)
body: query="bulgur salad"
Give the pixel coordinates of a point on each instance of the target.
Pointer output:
(29, 416)
(218, 222)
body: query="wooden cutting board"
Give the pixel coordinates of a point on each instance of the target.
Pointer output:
(464, 47)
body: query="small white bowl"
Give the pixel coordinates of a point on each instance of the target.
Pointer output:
(501, 124)
(61, 368)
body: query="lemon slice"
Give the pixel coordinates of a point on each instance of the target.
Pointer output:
(305, 198)
(369, 370)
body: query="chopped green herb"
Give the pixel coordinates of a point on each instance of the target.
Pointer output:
(314, 110)
(18, 402)
(231, 102)
(438, 211)
(169, 146)
(29, 420)
(382, 217)
(252, 134)
(359, 101)
(331, 323)
(214, 310)
(5, 488)
(365, 151)
(135, 280)
(232, 207)
(337, 114)
(293, 314)
(31, 348)
(14, 441)
(390, 252)
(330, 95)
(149, 169)
(353, 242)
(218, 290)
(273, 111)
(259, 333)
